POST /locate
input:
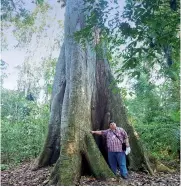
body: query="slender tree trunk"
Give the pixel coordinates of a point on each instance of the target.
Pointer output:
(81, 101)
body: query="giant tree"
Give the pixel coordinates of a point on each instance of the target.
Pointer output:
(82, 100)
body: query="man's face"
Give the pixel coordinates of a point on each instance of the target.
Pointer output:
(112, 126)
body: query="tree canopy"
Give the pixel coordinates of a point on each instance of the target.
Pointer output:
(144, 34)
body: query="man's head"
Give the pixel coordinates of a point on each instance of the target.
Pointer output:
(112, 125)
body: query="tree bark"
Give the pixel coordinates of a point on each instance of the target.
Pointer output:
(82, 100)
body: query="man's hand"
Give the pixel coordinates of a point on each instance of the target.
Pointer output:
(96, 132)
(128, 150)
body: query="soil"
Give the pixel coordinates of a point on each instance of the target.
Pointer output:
(24, 176)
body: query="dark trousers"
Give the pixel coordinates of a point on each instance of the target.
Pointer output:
(119, 158)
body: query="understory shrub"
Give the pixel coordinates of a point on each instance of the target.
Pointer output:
(23, 140)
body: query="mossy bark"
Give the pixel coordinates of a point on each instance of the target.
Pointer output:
(99, 169)
(82, 100)
(51, 149)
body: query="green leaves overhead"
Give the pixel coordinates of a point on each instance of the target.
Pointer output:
(22, 23)
(39, 1)
(16, 8)
(154, 26)
(11, 9)
(148, 29)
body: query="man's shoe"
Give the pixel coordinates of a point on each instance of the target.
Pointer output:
(124, 176)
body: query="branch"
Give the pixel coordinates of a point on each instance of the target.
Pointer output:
(13, 4)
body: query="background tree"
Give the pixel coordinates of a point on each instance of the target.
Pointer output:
(148, 29)
(23, 120)
(154, 111)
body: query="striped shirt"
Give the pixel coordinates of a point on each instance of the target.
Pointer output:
(113, 143)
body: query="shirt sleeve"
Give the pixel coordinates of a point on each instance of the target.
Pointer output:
(124, 133)
(104, 132)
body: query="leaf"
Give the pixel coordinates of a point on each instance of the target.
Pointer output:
(136, 74)
(40, 2)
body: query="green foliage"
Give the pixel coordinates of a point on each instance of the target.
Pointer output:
(22, 132)
(39, 2)
(160, 139)
(4, 167)
(14, 105)
(148, 29)
(21, 22)
(155, 25)
(48, 74)
(155, 113)
(11, 9)
(24, 122)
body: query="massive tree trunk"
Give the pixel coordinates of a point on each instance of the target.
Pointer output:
(82, 100)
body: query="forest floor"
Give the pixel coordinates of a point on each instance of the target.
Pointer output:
(22, 175)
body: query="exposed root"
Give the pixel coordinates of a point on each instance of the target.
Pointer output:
(158, 166)
(100, 169)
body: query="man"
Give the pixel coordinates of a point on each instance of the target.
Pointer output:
(115, 137)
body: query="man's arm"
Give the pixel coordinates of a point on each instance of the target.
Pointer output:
(126, 139)
(127, 142)
(97, 132)
(128, 149)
